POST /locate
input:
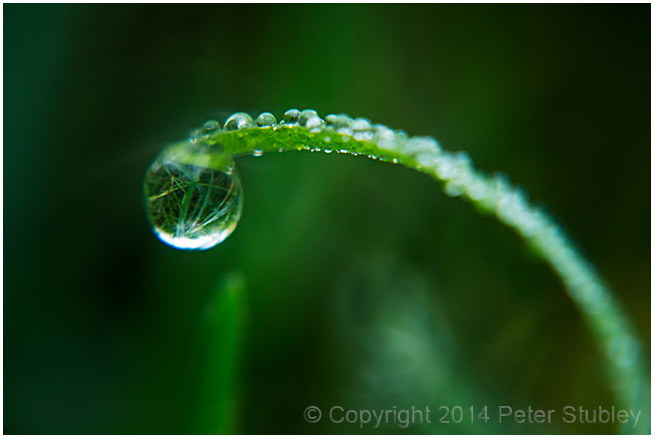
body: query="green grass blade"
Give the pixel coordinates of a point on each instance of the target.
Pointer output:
(223, 329)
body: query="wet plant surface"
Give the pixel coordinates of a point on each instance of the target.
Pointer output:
(348, 282)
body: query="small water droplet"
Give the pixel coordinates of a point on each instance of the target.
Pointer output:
(210, 125)
(421, 145)
(453, 190)
(205, 132)
(193, 137)
(360, 125)
(306, 115)
(238, 121)
(193, 200)
(363, 135)
(257, 152)
(395, 161)
(266, 120)
(314, 123)
(338, 121)
(291, 116)
(345, 131)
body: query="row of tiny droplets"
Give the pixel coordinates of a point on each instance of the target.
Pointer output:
(455, 169)
(494, 193)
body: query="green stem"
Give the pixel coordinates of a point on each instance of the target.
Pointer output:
(219, 344)
(608, 321)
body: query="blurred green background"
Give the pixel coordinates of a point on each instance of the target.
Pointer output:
(347, 282)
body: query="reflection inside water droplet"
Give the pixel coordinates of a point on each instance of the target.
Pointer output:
(291, 116)
(266, 120)
(238, 121)
(193, 198)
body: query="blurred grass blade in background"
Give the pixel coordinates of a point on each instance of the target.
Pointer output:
(223, 328)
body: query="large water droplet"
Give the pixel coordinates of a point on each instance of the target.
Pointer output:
(193, 198)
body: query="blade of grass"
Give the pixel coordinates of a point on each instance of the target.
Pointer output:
(610, 324)
(222, 331)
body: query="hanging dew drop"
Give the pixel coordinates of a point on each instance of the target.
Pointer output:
(257, 152)
(193, 196)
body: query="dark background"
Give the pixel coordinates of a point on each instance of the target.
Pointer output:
(352, 283)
